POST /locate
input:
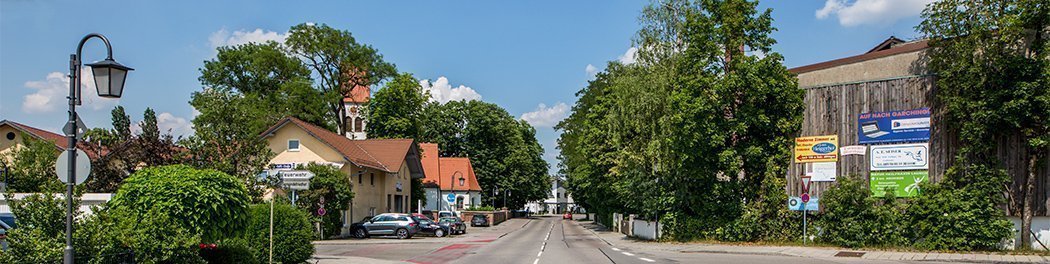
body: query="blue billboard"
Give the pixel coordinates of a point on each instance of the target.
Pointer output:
(894, 126)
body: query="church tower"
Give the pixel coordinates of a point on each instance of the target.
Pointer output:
(355, 116)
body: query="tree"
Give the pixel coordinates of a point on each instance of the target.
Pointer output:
(340, 63)
(121, 123)
(396, 109)
(151, 147)
(993, 71)
(691, 130)
(249, 88)
(333, 187)
(149, 124)
(503, 151)
(32, 167)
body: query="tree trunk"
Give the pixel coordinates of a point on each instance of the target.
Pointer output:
(1029, 192)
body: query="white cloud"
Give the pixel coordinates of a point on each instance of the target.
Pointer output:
(629, 57)
(51, 93)
(871, 12)
(442, 92)
(545, 116)
(177, 126)
(225, 38)
(591, 71)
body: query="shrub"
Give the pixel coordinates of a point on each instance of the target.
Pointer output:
(234, 250)
(155, 236)
(852, 218)
(41, 225)
(481, 208)
(766, 218)
(291, 229)
(334, 186)
(206, 202)
(966, 218)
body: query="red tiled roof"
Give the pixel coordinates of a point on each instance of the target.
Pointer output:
(382, 154)
(60, 141)
(444, 172)
(360, 94)
(877, 52)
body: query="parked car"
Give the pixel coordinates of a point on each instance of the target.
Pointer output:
(360, 224)
(427, 226)
(443, 214)
(479, 220)
(421, 216)
(402, 226)
(455, 224)
(7, 221)
(567, 216)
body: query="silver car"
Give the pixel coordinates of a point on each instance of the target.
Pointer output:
(401, 226)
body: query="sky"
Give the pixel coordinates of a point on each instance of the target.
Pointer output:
(530, 57)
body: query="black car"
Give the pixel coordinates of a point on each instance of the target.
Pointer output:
(454, 225)
(359, 226)
(429, 227)
(479, 220)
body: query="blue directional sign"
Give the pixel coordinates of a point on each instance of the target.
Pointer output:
(451, 198)
(795, 204)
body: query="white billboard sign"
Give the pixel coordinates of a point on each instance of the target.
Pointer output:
(900, 157)
(821, 171)
(296, 179)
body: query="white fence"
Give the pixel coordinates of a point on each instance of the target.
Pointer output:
(637, 228)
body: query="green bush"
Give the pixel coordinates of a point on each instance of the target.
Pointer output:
(291, 230)
(234, 250)
(852, 218)
(206, 202)
(481, 208)
(766, 218)
(334, 186)
(41, 225)
(966, 218)
(156, 237)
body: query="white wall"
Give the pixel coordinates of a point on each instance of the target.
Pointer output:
(646, 230)
(1041, 227)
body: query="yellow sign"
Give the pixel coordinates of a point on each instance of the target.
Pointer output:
(817, 149)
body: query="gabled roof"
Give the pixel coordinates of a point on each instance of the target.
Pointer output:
(886, 44)
(60, 141)
(382, 154)
(444, 172)
(360, 94)
(885, 49)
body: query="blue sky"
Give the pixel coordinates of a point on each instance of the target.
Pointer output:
(529, 57)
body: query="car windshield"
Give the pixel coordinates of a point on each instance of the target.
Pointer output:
(479, 217)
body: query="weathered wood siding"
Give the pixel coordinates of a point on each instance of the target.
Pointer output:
(834, 109)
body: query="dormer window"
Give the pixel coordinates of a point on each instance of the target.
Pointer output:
(293, 145)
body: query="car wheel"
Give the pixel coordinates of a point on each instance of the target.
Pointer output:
(360, 233)
(439, 233)
(402, 234)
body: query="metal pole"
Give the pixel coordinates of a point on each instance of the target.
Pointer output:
(74, 79)
(804, 213)
(273, 197)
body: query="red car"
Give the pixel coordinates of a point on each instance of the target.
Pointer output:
(567, 216)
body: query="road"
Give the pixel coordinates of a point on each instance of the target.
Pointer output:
(536, 241)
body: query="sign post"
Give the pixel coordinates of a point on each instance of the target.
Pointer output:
(805, 199)
(295, 180)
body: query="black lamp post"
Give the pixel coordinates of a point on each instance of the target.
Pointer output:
(455, 203)
(109, 81)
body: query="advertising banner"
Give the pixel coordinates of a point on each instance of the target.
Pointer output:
(894, 126)
(817, 149)
(821, 171)
(900, 157)
(853, 150)
(902, 183)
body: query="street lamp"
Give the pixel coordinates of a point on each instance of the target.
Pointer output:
(109, 81)
(455, 203)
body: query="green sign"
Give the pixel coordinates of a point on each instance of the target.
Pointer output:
(903, 183)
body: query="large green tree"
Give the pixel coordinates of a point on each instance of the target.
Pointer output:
(993, 70)
(396, 111)
(247, 89)
(340, 64)
(695, 127)
(503, 150)
(32, 167)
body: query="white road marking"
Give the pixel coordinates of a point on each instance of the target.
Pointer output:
(615, 249)
(647, 260)
(536, 261)
(628, 253)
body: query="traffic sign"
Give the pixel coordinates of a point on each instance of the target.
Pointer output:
(78, 128)
(805, 197)
(805, 183)
(296, 179)
(83, 167)
(321, 211)
(451, 198)
(795, 204)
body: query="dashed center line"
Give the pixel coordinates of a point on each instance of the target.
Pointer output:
(615, 249)
(544, 245)
(628, 254)
(647, 260)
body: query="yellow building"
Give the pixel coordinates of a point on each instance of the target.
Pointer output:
(380, 170)
(11, 134)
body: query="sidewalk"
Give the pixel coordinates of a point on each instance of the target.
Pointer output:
(619, 240)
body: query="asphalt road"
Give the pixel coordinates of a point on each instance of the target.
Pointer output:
(537, 241)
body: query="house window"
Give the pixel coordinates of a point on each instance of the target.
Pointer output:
(359, 125)
(373, 178)
(349, 121)
(10, 135)
(293, 145)
(360, 177)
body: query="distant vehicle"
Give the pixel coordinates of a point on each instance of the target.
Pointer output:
(479, 220)
(401, 226)
(443, 214)
(7, 221)
(567, 216)
(427, 226)
(454, 224)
